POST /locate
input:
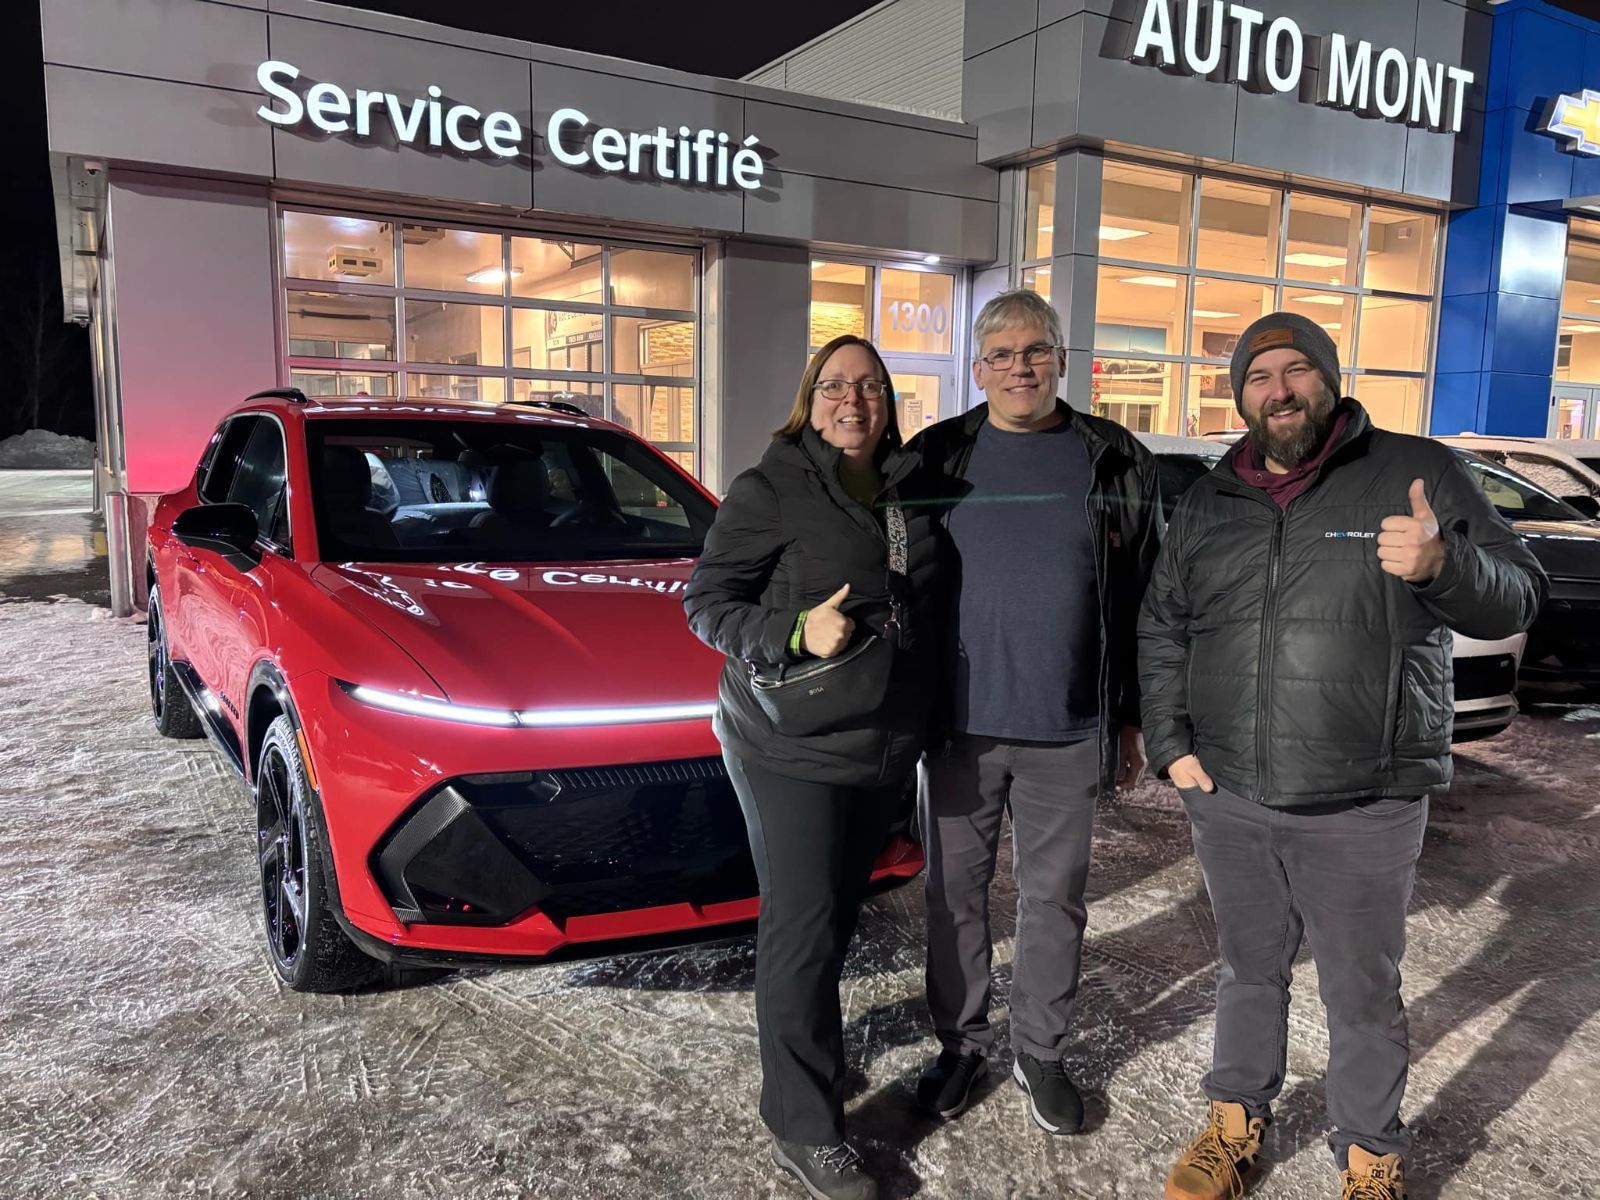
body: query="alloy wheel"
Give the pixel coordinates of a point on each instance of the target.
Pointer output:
(280, 827)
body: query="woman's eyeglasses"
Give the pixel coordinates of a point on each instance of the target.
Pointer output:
(838, 389)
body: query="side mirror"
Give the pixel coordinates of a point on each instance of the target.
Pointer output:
(226, 529)
(1589, 506)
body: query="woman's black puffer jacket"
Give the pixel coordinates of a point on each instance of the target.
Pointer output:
(786, 538)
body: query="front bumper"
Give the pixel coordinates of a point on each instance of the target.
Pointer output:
(1564, 643)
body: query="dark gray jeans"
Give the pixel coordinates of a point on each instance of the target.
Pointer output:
(1049, 788)
(1342, 875)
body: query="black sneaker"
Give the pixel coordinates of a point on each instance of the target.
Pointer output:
(1052, 1099)
(946, 1086)
(827, 1172)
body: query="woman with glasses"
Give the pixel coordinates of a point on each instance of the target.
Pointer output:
(818, 581)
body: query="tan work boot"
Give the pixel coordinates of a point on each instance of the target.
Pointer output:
(1218, 1161)
(1370, 1177)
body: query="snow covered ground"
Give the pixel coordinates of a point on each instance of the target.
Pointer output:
(146, 1050)
(39, 448)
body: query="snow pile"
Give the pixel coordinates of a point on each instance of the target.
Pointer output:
(41, 449)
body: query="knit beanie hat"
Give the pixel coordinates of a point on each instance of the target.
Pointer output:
(1279, 331)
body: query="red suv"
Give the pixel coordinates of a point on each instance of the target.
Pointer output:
(445, 647)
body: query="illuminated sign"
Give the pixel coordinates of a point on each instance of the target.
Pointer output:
(1352, 75)
(706, 157)
(1576, 118)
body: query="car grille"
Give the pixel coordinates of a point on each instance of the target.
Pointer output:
(1483, 676)
(485, 849)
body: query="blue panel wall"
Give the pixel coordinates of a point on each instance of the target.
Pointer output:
(1505, 259)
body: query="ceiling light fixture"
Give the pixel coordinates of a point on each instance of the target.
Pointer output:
(931, 259)
(1303, 259)
(492, 275)
(1212, 314)
(1580, 329)
(1116, 233)
(1161, 281)
(1317, 300)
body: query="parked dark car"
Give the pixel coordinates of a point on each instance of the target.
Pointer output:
(1564, 643)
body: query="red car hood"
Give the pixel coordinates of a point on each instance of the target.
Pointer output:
(537, 635)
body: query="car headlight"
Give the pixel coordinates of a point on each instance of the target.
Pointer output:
(533, 718)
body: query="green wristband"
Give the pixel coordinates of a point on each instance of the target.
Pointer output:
(797, 638)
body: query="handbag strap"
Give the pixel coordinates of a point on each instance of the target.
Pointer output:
(894, 521)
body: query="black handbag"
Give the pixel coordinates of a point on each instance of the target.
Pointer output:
(820, 694)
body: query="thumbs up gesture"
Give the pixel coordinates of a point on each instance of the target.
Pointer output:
(1411, 547)
(827, 629)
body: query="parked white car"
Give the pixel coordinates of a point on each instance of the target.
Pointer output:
(1485, 672)
(1563, 467)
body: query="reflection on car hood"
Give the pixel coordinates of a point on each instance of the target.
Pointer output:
(536, 636)
(1564, 548)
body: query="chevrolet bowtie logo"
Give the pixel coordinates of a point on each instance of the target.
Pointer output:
(1577, 118)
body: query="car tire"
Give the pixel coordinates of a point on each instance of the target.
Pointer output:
(308, 949)
(169, 704)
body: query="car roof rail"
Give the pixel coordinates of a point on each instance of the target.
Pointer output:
(560, 406)
(292, 394)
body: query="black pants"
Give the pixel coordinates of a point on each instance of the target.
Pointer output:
(1342, 876)
(813, 846)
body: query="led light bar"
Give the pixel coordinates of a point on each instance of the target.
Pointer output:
(638, 715)
(443, 710)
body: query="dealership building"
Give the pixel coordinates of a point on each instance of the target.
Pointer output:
(258, 193)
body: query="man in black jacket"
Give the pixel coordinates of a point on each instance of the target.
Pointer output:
(1295, 656)
(1054, 519)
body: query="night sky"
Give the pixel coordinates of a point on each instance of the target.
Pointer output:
(720, 37)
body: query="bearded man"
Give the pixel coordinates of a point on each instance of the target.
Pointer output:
(1295, 663)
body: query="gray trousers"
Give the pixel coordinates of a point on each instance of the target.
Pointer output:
(1341, 875)
(1049, 789)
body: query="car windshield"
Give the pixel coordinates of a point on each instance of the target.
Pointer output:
(398, 490)
(1592, 463)
(1177, 474)
(1515, 498)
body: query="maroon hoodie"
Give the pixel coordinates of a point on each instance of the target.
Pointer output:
(1250, 468)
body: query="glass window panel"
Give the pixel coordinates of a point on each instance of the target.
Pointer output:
(347, 249)
(1211, 407)
(654, 412)
(1141, 395)
(1334, 311)
(586, 394)
(840, 295)
(1238, 228)
(649, 346)
(452, 260)
(553, 340)
(916, 399)
(1039, 221)
(555, 270)
(1570, 414)
(1400, 249)
(1581, 293)
(341, 383)
(1037, 279)
(463, 335)
(1391, 403)
(1222, 310)
(1394, 334)
(482, 389)
(1579, 358)
(1139, 311)
(652, 279)
(1553, 476)
(918, 312)
(1324, 240)
(1144, 214)
(330, 325)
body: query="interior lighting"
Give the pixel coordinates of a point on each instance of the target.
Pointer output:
(1318, 300)
(1580, 328)
(1212, 314)
(492, 275)
(931, 259)
(1303, 259)
(1163, 281)
(1116, 233)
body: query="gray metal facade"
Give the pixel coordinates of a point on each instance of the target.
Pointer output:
(1043, 75)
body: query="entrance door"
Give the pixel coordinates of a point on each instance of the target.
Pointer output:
(924, 392)
(1573, 411)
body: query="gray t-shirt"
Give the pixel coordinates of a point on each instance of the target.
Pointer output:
(1027, 621)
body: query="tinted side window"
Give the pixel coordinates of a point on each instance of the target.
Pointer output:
(225, 462)
(258, 480)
